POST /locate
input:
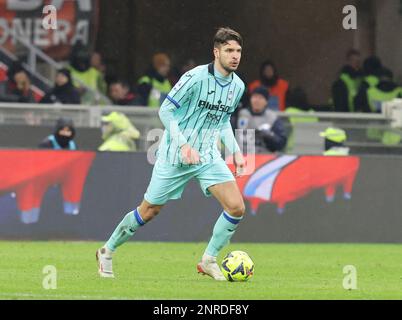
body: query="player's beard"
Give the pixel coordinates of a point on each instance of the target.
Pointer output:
(227, 67)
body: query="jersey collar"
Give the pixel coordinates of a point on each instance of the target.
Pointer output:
(211, 70)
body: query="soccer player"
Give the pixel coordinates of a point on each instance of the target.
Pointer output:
(196, 115)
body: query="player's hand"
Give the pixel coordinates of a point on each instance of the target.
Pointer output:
(189, 155)
(239, 163)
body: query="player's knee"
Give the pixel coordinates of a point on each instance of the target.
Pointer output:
(148, 212)
(236, 209)
(151, 213)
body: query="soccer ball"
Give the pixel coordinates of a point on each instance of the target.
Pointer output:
(237, 266)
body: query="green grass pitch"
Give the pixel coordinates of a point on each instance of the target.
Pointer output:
(152, 270)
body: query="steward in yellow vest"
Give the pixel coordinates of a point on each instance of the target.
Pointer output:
(344, 90)
(334, 142)
(155, 86)
(385, 90)
(296, 103)
(118, 133)
(372, 69)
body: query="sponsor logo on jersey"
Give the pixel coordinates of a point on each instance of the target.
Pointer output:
(213, 107)
(213, 118)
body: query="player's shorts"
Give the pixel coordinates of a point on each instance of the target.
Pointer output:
(168, 182)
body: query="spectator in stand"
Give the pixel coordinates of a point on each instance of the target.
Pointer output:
(344, 90)
(120, 94)
(270, 132)
(118, 133)
(371, 98)
(372, 68)
(177, 72)
(385, 90)
(64, 91)
(276, 86)
(18, 86)
(155, 85)
(97, 62)
(187, 66)
(81, 69)
(297, 103)
(62, 138)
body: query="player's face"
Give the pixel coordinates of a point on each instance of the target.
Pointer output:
(228, 55)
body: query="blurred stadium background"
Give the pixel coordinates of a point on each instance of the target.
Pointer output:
(122, 57)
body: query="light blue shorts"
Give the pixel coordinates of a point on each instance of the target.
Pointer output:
(168, 182)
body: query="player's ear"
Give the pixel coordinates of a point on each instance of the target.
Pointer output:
(216, 52)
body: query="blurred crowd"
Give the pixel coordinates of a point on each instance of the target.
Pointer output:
(361, 86)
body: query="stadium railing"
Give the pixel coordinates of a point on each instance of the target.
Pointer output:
(306, 135)
(34, 57)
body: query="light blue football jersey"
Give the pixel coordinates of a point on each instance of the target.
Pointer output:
(201, 103)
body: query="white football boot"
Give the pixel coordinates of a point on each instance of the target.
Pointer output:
(209, 267)
(105, 268)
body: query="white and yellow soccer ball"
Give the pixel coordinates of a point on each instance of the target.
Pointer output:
(237, 266)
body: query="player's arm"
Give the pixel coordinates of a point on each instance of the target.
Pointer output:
(168, 116)
(170, 121)
(228, 139)
(227, 136)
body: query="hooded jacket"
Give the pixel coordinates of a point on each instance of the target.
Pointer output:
(122, 134)
(58, 142)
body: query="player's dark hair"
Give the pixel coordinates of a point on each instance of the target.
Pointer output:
(223, 35)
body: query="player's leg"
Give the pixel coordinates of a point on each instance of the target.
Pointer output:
(230, 198)
(218, 181)
(166, 183)
(131, 222)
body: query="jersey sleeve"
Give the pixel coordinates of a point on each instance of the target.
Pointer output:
(177, 96)
(175, 100)
(226, 135)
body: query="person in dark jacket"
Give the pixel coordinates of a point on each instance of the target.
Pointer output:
(270, 131)
(120, 94)
(62, 138)
(18, 86)
(385, 90)
(371, 100)
(63, 91)
(344, 90)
